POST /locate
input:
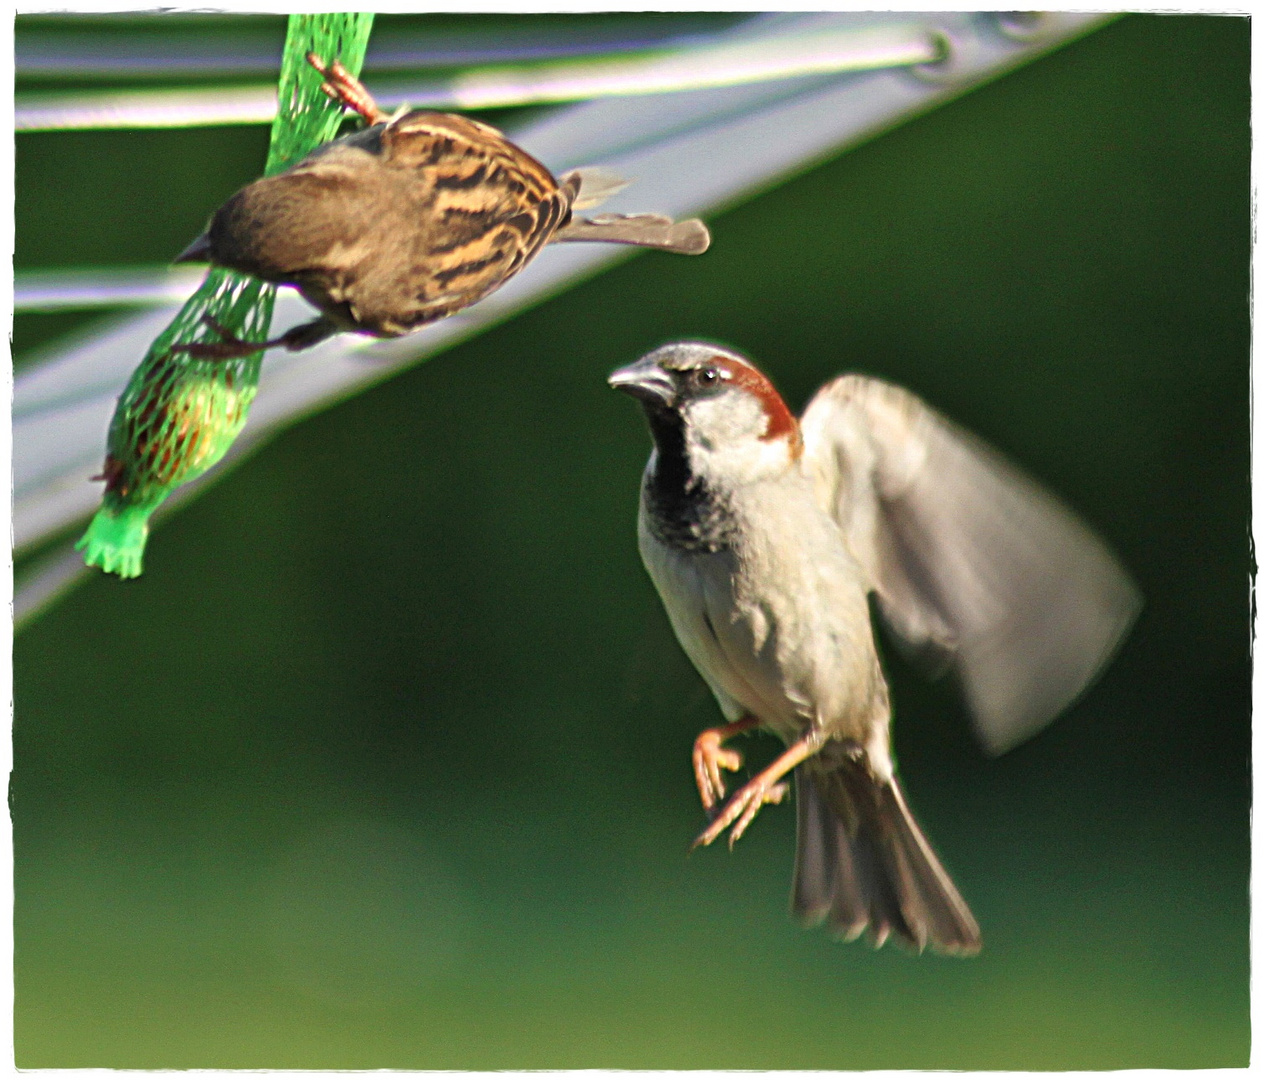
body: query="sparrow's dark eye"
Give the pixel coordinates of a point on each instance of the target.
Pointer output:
(704, 378)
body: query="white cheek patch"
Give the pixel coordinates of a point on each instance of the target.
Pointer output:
(725, 439)
(725, 418)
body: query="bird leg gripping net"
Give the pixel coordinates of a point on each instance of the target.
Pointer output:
(182, 410)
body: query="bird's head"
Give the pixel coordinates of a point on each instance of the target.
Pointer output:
(730, 419)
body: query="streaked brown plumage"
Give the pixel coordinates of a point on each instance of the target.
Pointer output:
(409, 221)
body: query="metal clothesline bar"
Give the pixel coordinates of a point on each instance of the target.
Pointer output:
(705, 66)
(83, 289)
(76, 55)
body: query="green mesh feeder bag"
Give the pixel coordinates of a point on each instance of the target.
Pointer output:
(177, 417)
(181, 411)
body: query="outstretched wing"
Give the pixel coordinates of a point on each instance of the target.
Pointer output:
(974, 565)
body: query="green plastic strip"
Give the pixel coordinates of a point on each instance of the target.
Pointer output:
(180, 414)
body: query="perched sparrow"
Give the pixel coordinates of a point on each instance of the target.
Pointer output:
(766, 537)
(409, 220)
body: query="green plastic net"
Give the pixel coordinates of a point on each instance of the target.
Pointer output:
(180, 413)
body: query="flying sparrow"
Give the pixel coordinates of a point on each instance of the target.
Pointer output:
(409, 220)
(766, 537)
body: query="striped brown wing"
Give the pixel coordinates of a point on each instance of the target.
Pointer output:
(485, 207)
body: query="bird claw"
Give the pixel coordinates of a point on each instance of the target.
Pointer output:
(709, 757)
(230, 347)
(344, 87)
(741, 810)
(766, 787)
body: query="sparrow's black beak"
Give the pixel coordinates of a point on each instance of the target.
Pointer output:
(198, 251)
(646, 380)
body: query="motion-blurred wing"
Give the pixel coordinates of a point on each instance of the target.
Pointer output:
(974, 565)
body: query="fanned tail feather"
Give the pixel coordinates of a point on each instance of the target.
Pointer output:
(642, 230)
(863, 864)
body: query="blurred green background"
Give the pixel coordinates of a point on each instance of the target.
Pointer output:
(385, 760)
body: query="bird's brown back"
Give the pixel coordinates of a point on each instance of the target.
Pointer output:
(397, 225)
